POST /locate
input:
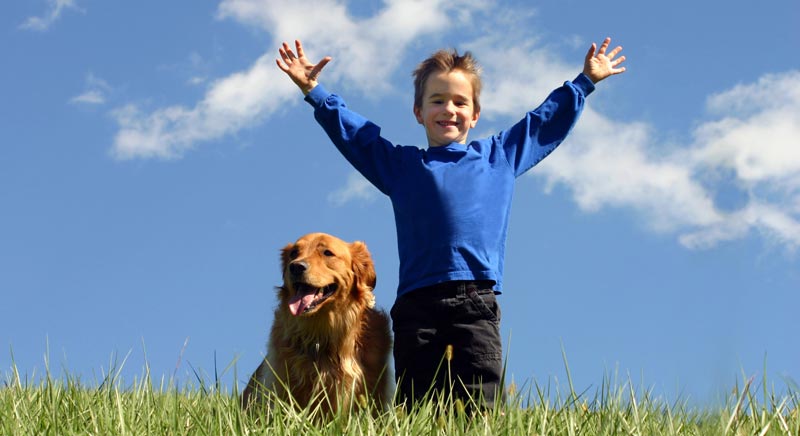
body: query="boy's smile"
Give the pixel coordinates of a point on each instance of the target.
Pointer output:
(448, 110)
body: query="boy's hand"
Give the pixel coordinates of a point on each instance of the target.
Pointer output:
(600, 65)
(302, 72)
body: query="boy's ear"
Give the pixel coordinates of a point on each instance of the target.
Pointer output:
(418, 114)
(475, 116)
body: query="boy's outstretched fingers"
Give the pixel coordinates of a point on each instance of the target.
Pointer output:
(599, 64)
(312, 75)
(604, 45)
(297, 66)
(590, 53)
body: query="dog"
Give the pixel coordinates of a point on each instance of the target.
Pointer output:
(328, 347)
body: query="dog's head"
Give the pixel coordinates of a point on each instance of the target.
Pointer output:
(320, 270)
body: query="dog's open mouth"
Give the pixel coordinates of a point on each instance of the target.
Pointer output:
(307, 297)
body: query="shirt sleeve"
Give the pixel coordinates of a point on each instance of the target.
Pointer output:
(541, 130)
(357, 138)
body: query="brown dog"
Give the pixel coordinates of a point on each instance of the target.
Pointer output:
(328, 345)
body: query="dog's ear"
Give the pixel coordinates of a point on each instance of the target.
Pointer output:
(363, 270)
(286, 256)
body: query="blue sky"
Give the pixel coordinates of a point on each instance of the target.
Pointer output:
(153, 160)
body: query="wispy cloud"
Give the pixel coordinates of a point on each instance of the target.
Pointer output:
(244, 98)
(194, 69)
(229, 104)
(91, 96)
(613, 164)
(370, 48)
(756, 137)
(95, 91)
(54, 11)
(357, 188)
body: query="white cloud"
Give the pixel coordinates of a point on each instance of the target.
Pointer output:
(757, 138)
(194, 69)
(56, 8)
(608, 163)
(230, 104)
(612, 164)
(369, 48)
(775, 223)
(356, 188)
(94, 93)
(757, 135)
(91, 96)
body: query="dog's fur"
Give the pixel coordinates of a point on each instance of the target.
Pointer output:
(328, 345)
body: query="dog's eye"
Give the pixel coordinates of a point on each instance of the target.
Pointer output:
(328, 253)
(293, 254)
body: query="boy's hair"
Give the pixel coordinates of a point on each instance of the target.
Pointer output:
(447, 61)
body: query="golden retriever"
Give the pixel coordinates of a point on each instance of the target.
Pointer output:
(328, 346)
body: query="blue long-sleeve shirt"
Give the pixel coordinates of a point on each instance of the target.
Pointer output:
(451, 203)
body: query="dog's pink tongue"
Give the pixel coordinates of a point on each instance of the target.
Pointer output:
(300, 302)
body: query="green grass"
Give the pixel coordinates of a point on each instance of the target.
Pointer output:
(65, 406)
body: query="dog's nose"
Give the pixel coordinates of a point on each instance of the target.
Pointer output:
(298, 268)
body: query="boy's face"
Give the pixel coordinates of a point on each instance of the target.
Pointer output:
(448, 111)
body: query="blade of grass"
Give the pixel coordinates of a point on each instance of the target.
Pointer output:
(569, 375)
(738, 407)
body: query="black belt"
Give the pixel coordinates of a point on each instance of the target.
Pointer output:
(456, 287)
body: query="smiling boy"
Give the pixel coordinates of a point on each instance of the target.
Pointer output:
(451, 204)
(447, 108)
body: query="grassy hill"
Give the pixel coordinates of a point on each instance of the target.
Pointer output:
(64, 406)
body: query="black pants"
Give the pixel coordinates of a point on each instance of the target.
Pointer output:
(463, 315)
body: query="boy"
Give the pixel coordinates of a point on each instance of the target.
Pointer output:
(451, 204)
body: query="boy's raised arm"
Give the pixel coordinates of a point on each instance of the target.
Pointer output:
(302, 72)
(599, 64)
